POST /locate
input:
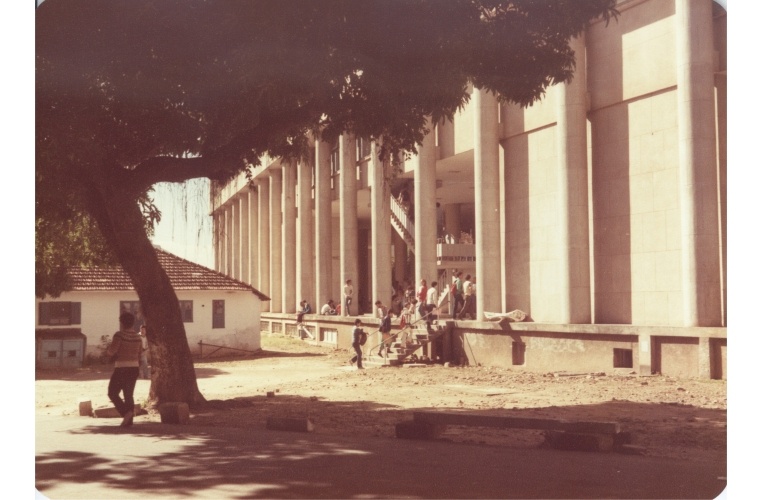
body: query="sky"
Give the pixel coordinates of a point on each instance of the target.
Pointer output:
(187, 233)
(185, 228)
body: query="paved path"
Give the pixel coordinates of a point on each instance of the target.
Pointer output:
(84, 458)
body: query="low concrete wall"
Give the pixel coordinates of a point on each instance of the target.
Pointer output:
(692, 352)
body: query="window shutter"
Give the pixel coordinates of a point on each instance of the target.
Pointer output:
(76, 313)
(44, 313)
(218, 314)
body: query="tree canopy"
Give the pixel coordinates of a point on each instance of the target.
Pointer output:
(131, 93)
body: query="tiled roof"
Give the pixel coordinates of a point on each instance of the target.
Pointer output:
(183, 274)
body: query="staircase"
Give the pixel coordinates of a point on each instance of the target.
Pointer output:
(398, 354)
(402, 223)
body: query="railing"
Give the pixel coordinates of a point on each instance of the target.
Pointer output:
(456, 252)
(446, 252)
(401, 222)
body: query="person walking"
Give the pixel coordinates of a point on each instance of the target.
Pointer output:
(385, 327)
(125, 347)
(432, 300)
(468, 300)
(145, 371)
(421, 296)
(358, 336)
(457, 297)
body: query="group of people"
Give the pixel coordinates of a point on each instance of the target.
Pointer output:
(463, 291)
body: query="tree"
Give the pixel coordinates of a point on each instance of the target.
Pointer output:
(129, 94)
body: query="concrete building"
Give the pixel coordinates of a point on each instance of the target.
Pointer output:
(599, 211)
(217, 310)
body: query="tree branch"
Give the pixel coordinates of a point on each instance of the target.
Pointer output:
(173, 169)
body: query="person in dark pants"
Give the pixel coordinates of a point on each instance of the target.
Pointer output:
(457, 298)
(125, 348)
(357, 334)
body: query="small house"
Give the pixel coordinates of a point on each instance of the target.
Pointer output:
(221, 314)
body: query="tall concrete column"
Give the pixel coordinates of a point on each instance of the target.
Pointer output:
(263, 239)
(305, 256)
(381, 229)
(217, 240)
(487, 203)
(697, 164)
(288, 268)
(348, 218)
(400, 258)
(235, 226)
(425, 208)
(452, 219)
(228, 242)
(243, 236)
(276, 239)
(253, 204)
(574, 247)
(323, 217)
(446, 138)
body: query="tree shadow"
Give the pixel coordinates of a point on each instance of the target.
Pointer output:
(103, 371)
(227, 450)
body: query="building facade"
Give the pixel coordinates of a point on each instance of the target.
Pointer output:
(602, 204)
(219, 312)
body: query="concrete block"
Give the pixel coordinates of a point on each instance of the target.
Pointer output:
(174, 413)
(622, 438)
(86, 408)
(290, 424)
(413, 429)
(579, 442)
(110, 412)
(106, 412)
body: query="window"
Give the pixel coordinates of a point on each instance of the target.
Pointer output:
(132, 306)
(60, 313)
(363, 148)
(218, 314)
(186, 310)
(622, 358)
(329, 335)
(335, 163)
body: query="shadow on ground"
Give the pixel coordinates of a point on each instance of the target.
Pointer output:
(227, 444)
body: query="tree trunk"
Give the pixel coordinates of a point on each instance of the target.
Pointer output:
(173, 375)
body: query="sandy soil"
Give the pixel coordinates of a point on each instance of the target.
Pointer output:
(678, 418)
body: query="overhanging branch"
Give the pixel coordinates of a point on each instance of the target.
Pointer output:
(173, 169)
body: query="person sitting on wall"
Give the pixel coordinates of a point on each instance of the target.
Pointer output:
(328, 309)
(304, 308)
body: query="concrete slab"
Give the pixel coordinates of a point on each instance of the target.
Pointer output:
(290, 424)
(507, 422)
(174, 413)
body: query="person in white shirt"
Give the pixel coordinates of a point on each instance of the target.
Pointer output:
(328, 309)
(432, 299)
(469, 306)
(348, 292)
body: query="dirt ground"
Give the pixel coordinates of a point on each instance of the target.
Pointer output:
(667, 417)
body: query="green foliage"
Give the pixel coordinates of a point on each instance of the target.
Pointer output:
(66, 236)
(121, 82)
(133, 93)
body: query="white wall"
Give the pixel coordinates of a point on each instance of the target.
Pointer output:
(100, 313)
